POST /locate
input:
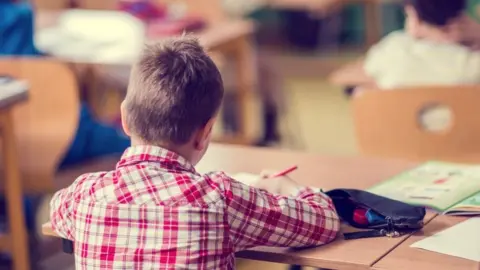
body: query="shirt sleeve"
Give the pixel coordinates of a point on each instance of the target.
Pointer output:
(62, 207)
(258, 218)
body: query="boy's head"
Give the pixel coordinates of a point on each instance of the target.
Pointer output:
(432, 15)
(173, 97)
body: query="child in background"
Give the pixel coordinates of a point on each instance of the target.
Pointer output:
(430, 51)
(154, 210)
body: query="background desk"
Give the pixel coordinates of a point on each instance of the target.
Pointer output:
(319, 171)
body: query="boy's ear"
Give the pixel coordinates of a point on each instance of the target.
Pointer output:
(202, 138)
(123, 114)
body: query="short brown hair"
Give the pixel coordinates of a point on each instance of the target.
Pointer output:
(175, 88)
(438, 12)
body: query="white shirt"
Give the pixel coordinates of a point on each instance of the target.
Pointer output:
(401, 60)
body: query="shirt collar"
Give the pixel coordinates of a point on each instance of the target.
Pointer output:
(148, 153)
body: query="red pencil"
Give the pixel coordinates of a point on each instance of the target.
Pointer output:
(285, 172)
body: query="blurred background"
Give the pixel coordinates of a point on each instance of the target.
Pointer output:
(277, 58)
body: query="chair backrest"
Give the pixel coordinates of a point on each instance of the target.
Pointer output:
(46, 124)
(388, 123)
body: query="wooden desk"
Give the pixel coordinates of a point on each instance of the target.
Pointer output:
(405, 257)
(319, 171)
(16, 242)
(231, 38)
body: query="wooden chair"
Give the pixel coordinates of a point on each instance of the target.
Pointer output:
(46, 124)
(388, 124)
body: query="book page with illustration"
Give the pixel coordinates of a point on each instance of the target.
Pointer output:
(467, 207)
(437, 185)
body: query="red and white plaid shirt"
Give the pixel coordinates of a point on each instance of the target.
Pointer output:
(154, 211)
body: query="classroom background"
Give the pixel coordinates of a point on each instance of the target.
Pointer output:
(277, 58)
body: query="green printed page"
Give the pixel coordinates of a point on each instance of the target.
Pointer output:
(469, 206)
(437, 185)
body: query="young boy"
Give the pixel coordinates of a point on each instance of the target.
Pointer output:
(154, 210)
(428, 52)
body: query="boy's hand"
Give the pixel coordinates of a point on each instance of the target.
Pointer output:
(282, 185)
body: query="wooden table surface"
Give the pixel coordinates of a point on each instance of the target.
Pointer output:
(406, 257)
(341, 254)
(319, 171)
(327, 172)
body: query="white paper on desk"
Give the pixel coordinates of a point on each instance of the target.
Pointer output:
(461, 240)
(94, 36)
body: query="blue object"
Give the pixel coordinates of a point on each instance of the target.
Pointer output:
(16, 29)
(94, 139)
(374, 218)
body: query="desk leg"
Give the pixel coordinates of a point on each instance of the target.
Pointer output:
(13, 194)
(372, 23)
(246, 70)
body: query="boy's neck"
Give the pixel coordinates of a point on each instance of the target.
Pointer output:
(184, 151)
(435, 34)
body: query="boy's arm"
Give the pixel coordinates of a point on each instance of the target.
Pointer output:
(352, 74)
(259, 218)
(62, 207)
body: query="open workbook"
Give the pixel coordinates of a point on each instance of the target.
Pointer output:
(452, 189)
